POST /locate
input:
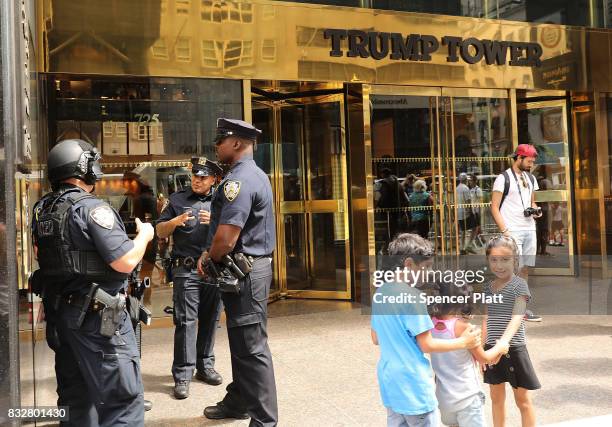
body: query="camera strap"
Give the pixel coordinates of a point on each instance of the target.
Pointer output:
(518, 185)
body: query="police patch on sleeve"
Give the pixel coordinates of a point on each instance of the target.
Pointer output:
(103, 216)
(231, 189)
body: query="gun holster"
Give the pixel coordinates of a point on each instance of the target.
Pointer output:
(111, 314)
(221, 275)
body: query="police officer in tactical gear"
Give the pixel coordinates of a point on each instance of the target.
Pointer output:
(197, 305)
(85, 256)
(242, 225)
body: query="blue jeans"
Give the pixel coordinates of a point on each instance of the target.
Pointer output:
(470, 416)
(429, 419)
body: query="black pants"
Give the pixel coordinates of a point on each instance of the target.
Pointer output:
(197, 307)
(98, 377)
(253, 388)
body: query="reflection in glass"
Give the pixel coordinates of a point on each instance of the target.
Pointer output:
(307, 134)
(544, 126)
(292, 146)
(147, 129)
(481, 147)
(403, 155)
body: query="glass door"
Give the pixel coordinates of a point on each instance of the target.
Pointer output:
(435, 155)
(476, 143)
(309, 178)
(544, 124)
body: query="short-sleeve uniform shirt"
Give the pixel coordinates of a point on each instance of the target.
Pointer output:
(244, 199)
(190, 239)
(94, 226)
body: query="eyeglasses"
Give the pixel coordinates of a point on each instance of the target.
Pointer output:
(524, 182)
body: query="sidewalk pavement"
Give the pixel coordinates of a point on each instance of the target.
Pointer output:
(325, 369)
(605, 421)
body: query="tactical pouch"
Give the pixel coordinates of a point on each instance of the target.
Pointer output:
(244, 262)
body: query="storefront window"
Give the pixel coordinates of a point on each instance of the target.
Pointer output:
(147, 130)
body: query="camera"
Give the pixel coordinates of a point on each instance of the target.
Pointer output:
(532, 211)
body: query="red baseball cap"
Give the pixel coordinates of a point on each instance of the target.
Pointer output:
(525, 150)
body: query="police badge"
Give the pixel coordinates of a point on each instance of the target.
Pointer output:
(231, 190)
(103, 216)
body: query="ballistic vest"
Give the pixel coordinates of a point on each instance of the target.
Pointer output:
(58, 258)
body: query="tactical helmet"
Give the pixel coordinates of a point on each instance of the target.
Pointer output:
(74, 158)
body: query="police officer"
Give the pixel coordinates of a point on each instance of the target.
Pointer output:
(197, 305)
(81, 243)
(242, 222)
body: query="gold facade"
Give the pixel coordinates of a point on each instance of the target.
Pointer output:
(280, 43)
(284, 41)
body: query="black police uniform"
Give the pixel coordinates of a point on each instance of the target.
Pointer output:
(97, 377)
(197, 305)
(244, 199)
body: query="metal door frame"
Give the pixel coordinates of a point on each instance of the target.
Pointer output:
(306, 206)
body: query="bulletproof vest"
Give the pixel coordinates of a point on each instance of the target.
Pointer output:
(58, 258)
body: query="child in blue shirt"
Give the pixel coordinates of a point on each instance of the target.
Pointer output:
(403, 332)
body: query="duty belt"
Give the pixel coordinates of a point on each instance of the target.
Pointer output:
(187, 262)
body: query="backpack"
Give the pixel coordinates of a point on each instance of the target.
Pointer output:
(507, 185)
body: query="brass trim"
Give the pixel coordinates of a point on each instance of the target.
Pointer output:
(369, 184)
(513, 119)
(247, 103)
(292, 207)
(461, 92)
(551, 196)
(541, 271)
(543, 92)
(306, 294)
(603, 172)
(405, 90)
(439, 162)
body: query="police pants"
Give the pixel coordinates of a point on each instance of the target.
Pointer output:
(197, 307)
(253, 388)
(98, 378)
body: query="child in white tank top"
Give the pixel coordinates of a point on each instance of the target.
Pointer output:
(458, 390)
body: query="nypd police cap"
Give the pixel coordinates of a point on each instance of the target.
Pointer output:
(201, 166)
(229, 127)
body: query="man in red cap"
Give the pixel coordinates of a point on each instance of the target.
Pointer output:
(514, 208)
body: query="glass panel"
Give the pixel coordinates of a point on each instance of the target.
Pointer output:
(328, 259)
(326, 155)
(606, 105)
(482, 132)
(403, 156)
(296, 252)
(552, 234)
(147, 130)
(585, 180)
(263, 119)
(292, 146)
(544, 126)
